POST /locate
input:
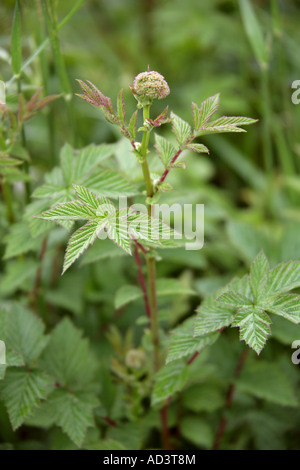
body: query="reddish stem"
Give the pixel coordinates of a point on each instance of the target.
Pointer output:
(165, 427)
(229, 398)
(179, 151)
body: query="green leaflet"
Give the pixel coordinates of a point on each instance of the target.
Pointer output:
(259, 293)
(182, 343)
(169, 380)
(22, 390)
(180, 128)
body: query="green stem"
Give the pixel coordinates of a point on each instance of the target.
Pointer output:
(151, 268)
(8, 202)
(151, 274)
(24, 145)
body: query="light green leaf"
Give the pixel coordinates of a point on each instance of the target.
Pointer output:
(121, 107)
(207, 109)
(169, 380)
(181, 129)
(258, 271)
(165, 149)
(212, 316)
(198, 148)
(282, 278)
(69, 211)
(132, 125)
(88, 158)
(182, 343)
(22, 391)
(254, 325)
(234, 299)
(88, 197)
(109, 183)
(287, 306)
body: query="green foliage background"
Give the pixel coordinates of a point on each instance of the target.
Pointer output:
(75, 333)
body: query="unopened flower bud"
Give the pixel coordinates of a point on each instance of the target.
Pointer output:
(148, 86)
(135, 358)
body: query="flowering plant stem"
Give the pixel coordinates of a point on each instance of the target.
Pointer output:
(151, 274)
(150, 260)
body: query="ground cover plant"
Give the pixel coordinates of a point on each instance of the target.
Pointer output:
(129, 318)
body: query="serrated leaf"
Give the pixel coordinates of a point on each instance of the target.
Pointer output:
(181, 129)
(182, 343)
(254, 325)
(165, 149)
(121, 107)
(132, 125)
(88, 158)
(207, 109)
(282, 278)
(109, 183)
(232, 121)
(88, 197)
(22, 390)
(23, 332)
(212, 316)
(72, 412)
(198, 148)
(169, 380)
(210, 129)
(234, 299)
(80, 241)
(67, 357)
(287, 306)
(258, 271)
(69, 211)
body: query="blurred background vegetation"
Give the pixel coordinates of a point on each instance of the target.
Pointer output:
(249, 184)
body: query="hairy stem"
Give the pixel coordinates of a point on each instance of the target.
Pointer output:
(24, 144)
(6, 193)
(151, 273)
